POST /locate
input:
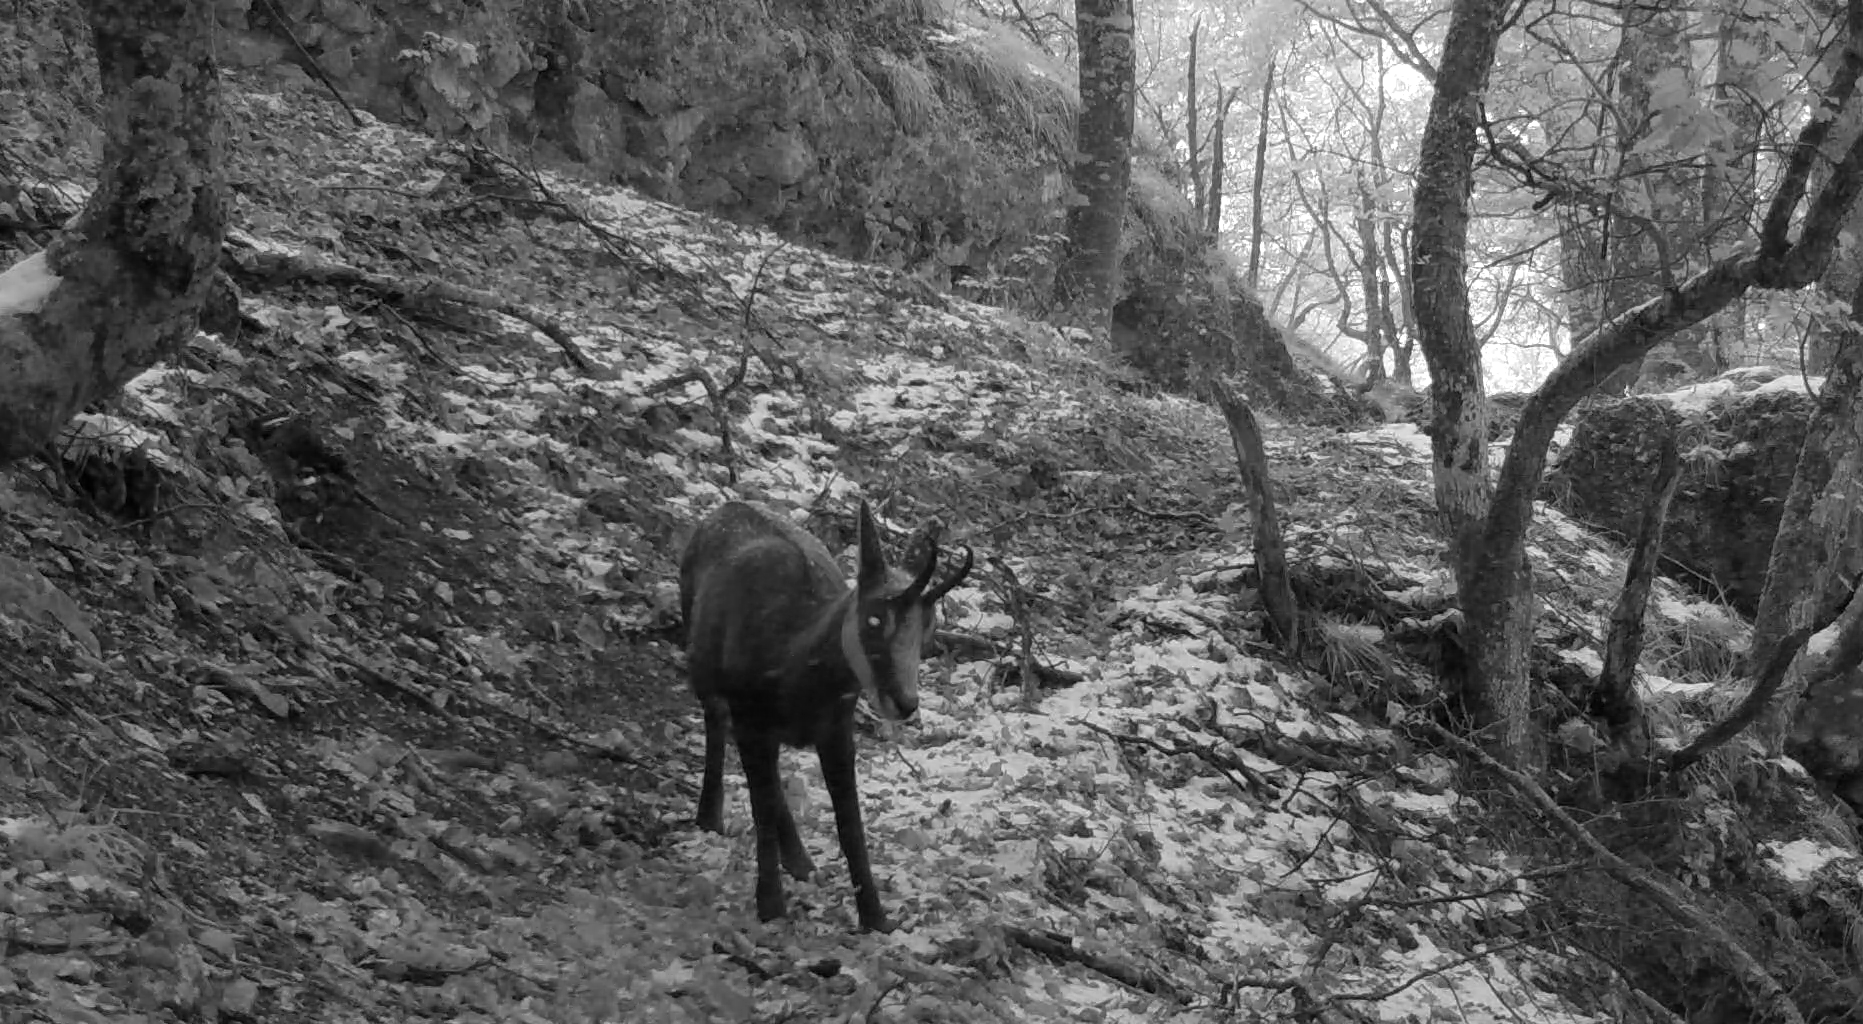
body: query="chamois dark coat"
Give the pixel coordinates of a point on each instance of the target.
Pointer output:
(779, 650)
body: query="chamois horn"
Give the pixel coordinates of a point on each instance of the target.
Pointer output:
(949, 581)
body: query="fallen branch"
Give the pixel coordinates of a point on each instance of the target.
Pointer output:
(718, 396)
(434, 697)
(1250, 781)
(1770, 999)
(984, 647)
(625, 251)
(1127, 505)
(275, 267)
(1062, 948)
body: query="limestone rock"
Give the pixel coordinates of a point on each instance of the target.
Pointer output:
(1738, 462)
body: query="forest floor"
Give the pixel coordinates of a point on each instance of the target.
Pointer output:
(342, 679)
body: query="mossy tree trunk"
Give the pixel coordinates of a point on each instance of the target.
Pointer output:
(122, 286)
(1439, 276)
(1103, 162)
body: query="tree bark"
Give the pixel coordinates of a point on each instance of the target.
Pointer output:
(1103, 165)
(1459, 421)
(122, 287)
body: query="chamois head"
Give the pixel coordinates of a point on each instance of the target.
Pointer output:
(889, 617)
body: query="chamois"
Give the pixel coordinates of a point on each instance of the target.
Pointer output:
(778, 650)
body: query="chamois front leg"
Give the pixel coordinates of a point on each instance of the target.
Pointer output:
(711, 790)
(837, 756)
(759, 754)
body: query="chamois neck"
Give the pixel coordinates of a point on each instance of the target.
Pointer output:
(820, 640)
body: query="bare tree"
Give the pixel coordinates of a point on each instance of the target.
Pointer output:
(1488, 523)
(122, 286)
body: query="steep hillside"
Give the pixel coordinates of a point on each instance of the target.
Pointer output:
(342, 681)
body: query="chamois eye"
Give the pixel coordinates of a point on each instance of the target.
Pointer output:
(873, 621)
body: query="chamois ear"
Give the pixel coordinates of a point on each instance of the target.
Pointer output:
(872, 573)
(922, 545)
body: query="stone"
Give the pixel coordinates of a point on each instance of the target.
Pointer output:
(1827, 736)
(1738, 464)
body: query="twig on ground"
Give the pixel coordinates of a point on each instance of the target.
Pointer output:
(717, 395)
(1244, 778)
(985, 647)
(1018, 612)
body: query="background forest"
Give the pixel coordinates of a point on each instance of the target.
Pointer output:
(1409, 455)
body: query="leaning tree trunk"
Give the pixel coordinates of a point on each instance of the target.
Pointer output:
(122, 287)
(1103, 165)
(1493, 576)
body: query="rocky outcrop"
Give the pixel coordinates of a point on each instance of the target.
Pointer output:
(853, 127)
(1181, 337)
(1827, 736)
(1740, 448)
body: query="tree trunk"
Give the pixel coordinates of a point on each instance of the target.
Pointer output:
(1261, 173)
(1193, 141)
(1439, 269)
(1103, 166)
(1655, 223)
(1219, 159)
(122, 287)
(1404, 333)
(1277, 589)
(1379, 332)
(1615, 697)
(1727, 188)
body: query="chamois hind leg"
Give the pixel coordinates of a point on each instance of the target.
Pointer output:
(837, 756)
(711, 791)
(759, 754)
(795, 858)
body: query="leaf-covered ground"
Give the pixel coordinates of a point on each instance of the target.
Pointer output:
(343, 681)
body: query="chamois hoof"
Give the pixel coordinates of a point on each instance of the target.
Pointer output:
(801, 872)
(771, 909)
(881, 925)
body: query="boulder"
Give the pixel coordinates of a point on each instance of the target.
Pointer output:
(1827, 736)
(1740, 451)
